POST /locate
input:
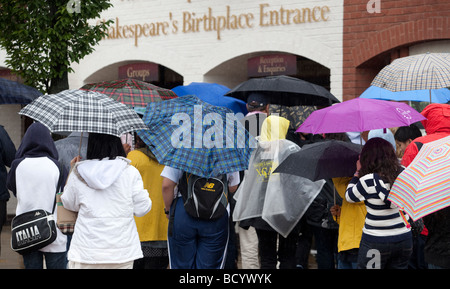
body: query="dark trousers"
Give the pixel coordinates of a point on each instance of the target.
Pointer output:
(269, 255)
(384, 255)
(326, 245)
(34, 260)
(2, 218)
(151, 263)
(417, 260)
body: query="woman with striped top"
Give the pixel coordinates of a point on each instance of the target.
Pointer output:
(386, 241)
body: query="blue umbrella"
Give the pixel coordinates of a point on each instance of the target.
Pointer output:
(191, 135)
(212, 93)
(13, 92)
(441, 95)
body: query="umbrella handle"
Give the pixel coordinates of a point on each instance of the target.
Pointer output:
(79, 147)
(334, 195)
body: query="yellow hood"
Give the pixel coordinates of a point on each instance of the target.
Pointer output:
(273, 128)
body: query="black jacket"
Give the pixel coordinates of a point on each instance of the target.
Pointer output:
(7, 154)
(437, 246)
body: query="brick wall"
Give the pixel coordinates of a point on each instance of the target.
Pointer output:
(373, 40)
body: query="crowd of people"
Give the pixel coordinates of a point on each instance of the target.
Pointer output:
(131, 213)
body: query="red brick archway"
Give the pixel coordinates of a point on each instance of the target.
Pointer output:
(399, 35)
(372, 41)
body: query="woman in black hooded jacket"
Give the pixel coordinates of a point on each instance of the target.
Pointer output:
(33, 179)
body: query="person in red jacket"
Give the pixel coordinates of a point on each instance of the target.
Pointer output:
(437, 126)
(437, 246)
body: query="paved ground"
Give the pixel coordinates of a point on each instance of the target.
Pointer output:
(8, 258)
(12, 260)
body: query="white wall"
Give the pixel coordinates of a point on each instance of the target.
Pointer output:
(439, 46)
(193, 54)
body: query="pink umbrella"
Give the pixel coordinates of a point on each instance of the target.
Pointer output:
(358, 115)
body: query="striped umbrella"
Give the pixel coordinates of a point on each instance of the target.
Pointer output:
(424, 186)
(131, 92)
(424, 71)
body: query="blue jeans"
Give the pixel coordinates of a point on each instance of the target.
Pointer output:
(348, 259)
(431, 266)
(34, 260)
(195, 243)
(384, 255)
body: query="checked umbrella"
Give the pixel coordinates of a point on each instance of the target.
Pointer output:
(423, 71)
(196, 137)
(83, 111)
(131, 92)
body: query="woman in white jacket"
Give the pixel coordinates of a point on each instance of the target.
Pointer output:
(107, 192)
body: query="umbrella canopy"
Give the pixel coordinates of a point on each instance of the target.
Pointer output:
(13, 92)
(295, 114)
(441, 95)
(83, 111)
(197, 137)
(212, 93)
(131, 92)
(424, 186)
(322, 160)
(285, 90)
(423, 71)
(358, 115)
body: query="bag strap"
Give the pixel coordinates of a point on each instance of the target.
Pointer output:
(58, 185)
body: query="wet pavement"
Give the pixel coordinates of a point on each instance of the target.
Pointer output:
(8, 258)
(12, 260)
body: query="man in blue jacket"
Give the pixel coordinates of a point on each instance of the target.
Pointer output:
(7, 154)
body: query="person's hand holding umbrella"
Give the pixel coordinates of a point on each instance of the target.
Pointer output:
(74, 161)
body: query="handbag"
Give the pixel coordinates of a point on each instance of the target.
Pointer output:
(35, 229)
(66, 219)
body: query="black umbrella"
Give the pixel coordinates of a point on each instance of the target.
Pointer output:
(322, 160)
(13, 92)
(285, 90)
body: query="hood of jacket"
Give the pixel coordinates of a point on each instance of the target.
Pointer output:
(37, 142)
(101, 174)
(273, 128)
(438, 118)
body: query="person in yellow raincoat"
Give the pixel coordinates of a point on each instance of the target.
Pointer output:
(152, 227)
(351, 218)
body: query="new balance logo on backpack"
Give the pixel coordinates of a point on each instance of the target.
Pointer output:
(204, 198)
